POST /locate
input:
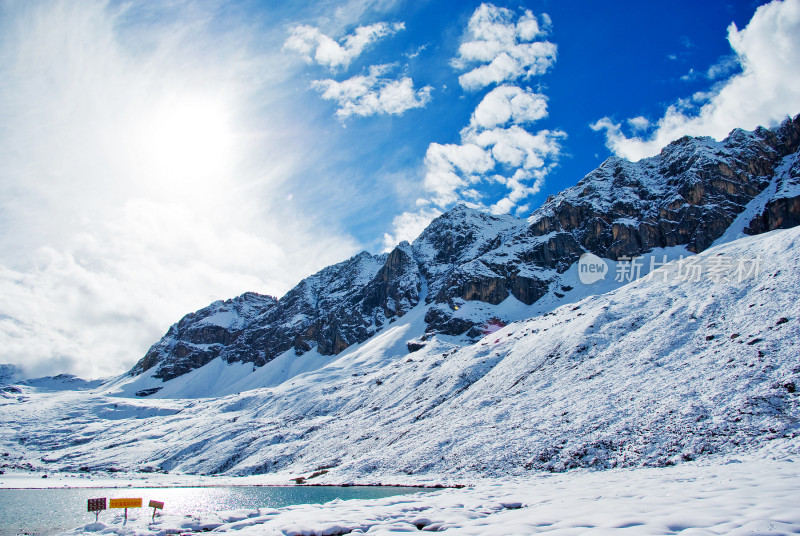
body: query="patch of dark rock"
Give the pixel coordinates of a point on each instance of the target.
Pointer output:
(440, 321)
(315, 474)
(414, 346)
(148, 392)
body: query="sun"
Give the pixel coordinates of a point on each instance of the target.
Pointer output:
(189, 141)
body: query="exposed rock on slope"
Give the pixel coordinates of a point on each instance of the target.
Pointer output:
(203, 335)
(688, 195)
(343, 304)
(782, 211)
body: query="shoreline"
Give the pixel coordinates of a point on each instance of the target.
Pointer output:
(737, 495)
(778, 451)
(34, 481)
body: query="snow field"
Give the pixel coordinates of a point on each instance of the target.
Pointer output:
(733, 497)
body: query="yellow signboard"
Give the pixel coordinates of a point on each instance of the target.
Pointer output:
(125, 503)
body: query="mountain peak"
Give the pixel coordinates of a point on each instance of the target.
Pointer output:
(462, 211)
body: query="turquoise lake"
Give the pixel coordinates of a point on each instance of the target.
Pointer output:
(51, 511)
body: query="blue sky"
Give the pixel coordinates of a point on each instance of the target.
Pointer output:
(157, 156)
(630, 61)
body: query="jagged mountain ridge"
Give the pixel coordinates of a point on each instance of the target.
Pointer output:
(689, 195)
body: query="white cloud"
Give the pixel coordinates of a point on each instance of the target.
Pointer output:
(504, 47)
(522, 184)
(408, 226)
(495, 150)
(94, 303)
(516, 147)
(639, 123)
(419, 50)
(315, 46)
(452, 167)
(454, 170)
(134, 187)
(691, 75)
(765, 92)
(724, 66)
(506, 104)
(373, 94)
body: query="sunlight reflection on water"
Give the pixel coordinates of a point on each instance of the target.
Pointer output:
(49, 511)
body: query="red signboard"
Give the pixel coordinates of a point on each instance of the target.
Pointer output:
(95, 505)
(156, 504)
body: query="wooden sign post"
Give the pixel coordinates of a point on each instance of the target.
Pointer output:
(96, 506)
(125, 503)
(156, 505)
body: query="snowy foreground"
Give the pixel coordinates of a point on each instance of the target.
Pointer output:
(731, 496)
(669, 405)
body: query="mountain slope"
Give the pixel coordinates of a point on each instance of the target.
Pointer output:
(475, 271)
(700, 358)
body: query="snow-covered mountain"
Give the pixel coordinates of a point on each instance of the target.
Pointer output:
(62, 382)
(475, 272)
(700, 357)
(9, 374)
(481, 349)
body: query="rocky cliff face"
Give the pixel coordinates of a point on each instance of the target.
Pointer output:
(688, 195)
(203, 335)
(341, 305)
(782, 210)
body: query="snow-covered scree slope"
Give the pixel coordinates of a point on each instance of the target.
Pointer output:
(734, 498)
(701, 358)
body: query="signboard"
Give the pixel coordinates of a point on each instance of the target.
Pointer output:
(125, 503)
(95, 505)
(156, 505)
